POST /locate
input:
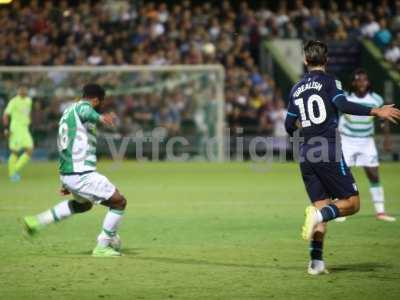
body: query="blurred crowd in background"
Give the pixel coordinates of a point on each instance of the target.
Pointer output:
(185, 32)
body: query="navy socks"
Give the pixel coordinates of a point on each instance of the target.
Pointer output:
(329, 212)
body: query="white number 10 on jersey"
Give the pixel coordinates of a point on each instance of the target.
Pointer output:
(310, 111)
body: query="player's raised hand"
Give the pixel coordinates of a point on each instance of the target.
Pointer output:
(64, 191)
(108, 119)
(387, 112)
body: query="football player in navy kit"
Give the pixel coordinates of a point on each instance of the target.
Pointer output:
(314, 104)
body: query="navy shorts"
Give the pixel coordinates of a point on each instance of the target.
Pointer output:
(327, 177)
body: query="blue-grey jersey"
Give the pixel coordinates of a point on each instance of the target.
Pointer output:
(312, 102)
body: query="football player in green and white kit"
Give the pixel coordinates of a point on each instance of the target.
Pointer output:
(358, 144)
(77, 151)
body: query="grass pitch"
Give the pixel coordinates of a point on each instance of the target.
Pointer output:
(197, 231)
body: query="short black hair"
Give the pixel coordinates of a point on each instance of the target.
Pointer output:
(355, 74)
(358, 71)
(93, 90)
(316, 53)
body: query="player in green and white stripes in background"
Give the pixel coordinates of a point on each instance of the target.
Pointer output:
(358, 144)
(77, 151)
(16, 121)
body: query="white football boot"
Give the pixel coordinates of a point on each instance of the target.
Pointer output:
(317, 267)
(340, 219)
(385, 217)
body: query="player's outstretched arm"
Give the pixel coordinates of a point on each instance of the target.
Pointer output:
(351, 108)
(386, 112)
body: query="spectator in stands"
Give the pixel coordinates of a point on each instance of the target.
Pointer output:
(371, 27)
(392, 53)
(383, 36)
(353, 29)
(164, 117)
(185, 32)
(278, 116)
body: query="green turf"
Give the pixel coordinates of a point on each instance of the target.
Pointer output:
(196, 231)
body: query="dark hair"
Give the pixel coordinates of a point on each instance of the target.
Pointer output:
(359, 71)
(316, 53)
(93, 90)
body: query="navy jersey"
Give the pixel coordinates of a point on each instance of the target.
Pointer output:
(312, 102)
(315, 102)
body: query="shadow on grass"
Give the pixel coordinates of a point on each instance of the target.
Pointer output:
(360, 267)
(131, 251)
(124, 251)
(134, 252)
(188, 261)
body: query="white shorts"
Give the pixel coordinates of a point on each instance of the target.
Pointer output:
(92, 187)
(359, 152)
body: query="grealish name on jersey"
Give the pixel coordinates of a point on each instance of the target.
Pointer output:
(312, 100)
(360, 126)
(309, 85)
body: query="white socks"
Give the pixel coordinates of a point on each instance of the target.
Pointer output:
(110, 226)
(62, 211)
(55, 214)
(378, 198)
(319, 217)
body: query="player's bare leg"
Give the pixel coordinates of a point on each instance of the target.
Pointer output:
(377, 194)
(348, 206)
(108, 240)
(61, 211)
(339, 219)
(317, 265)
(314, 216)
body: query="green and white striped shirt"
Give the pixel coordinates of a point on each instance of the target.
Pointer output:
(77, 138)
(360, 126)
